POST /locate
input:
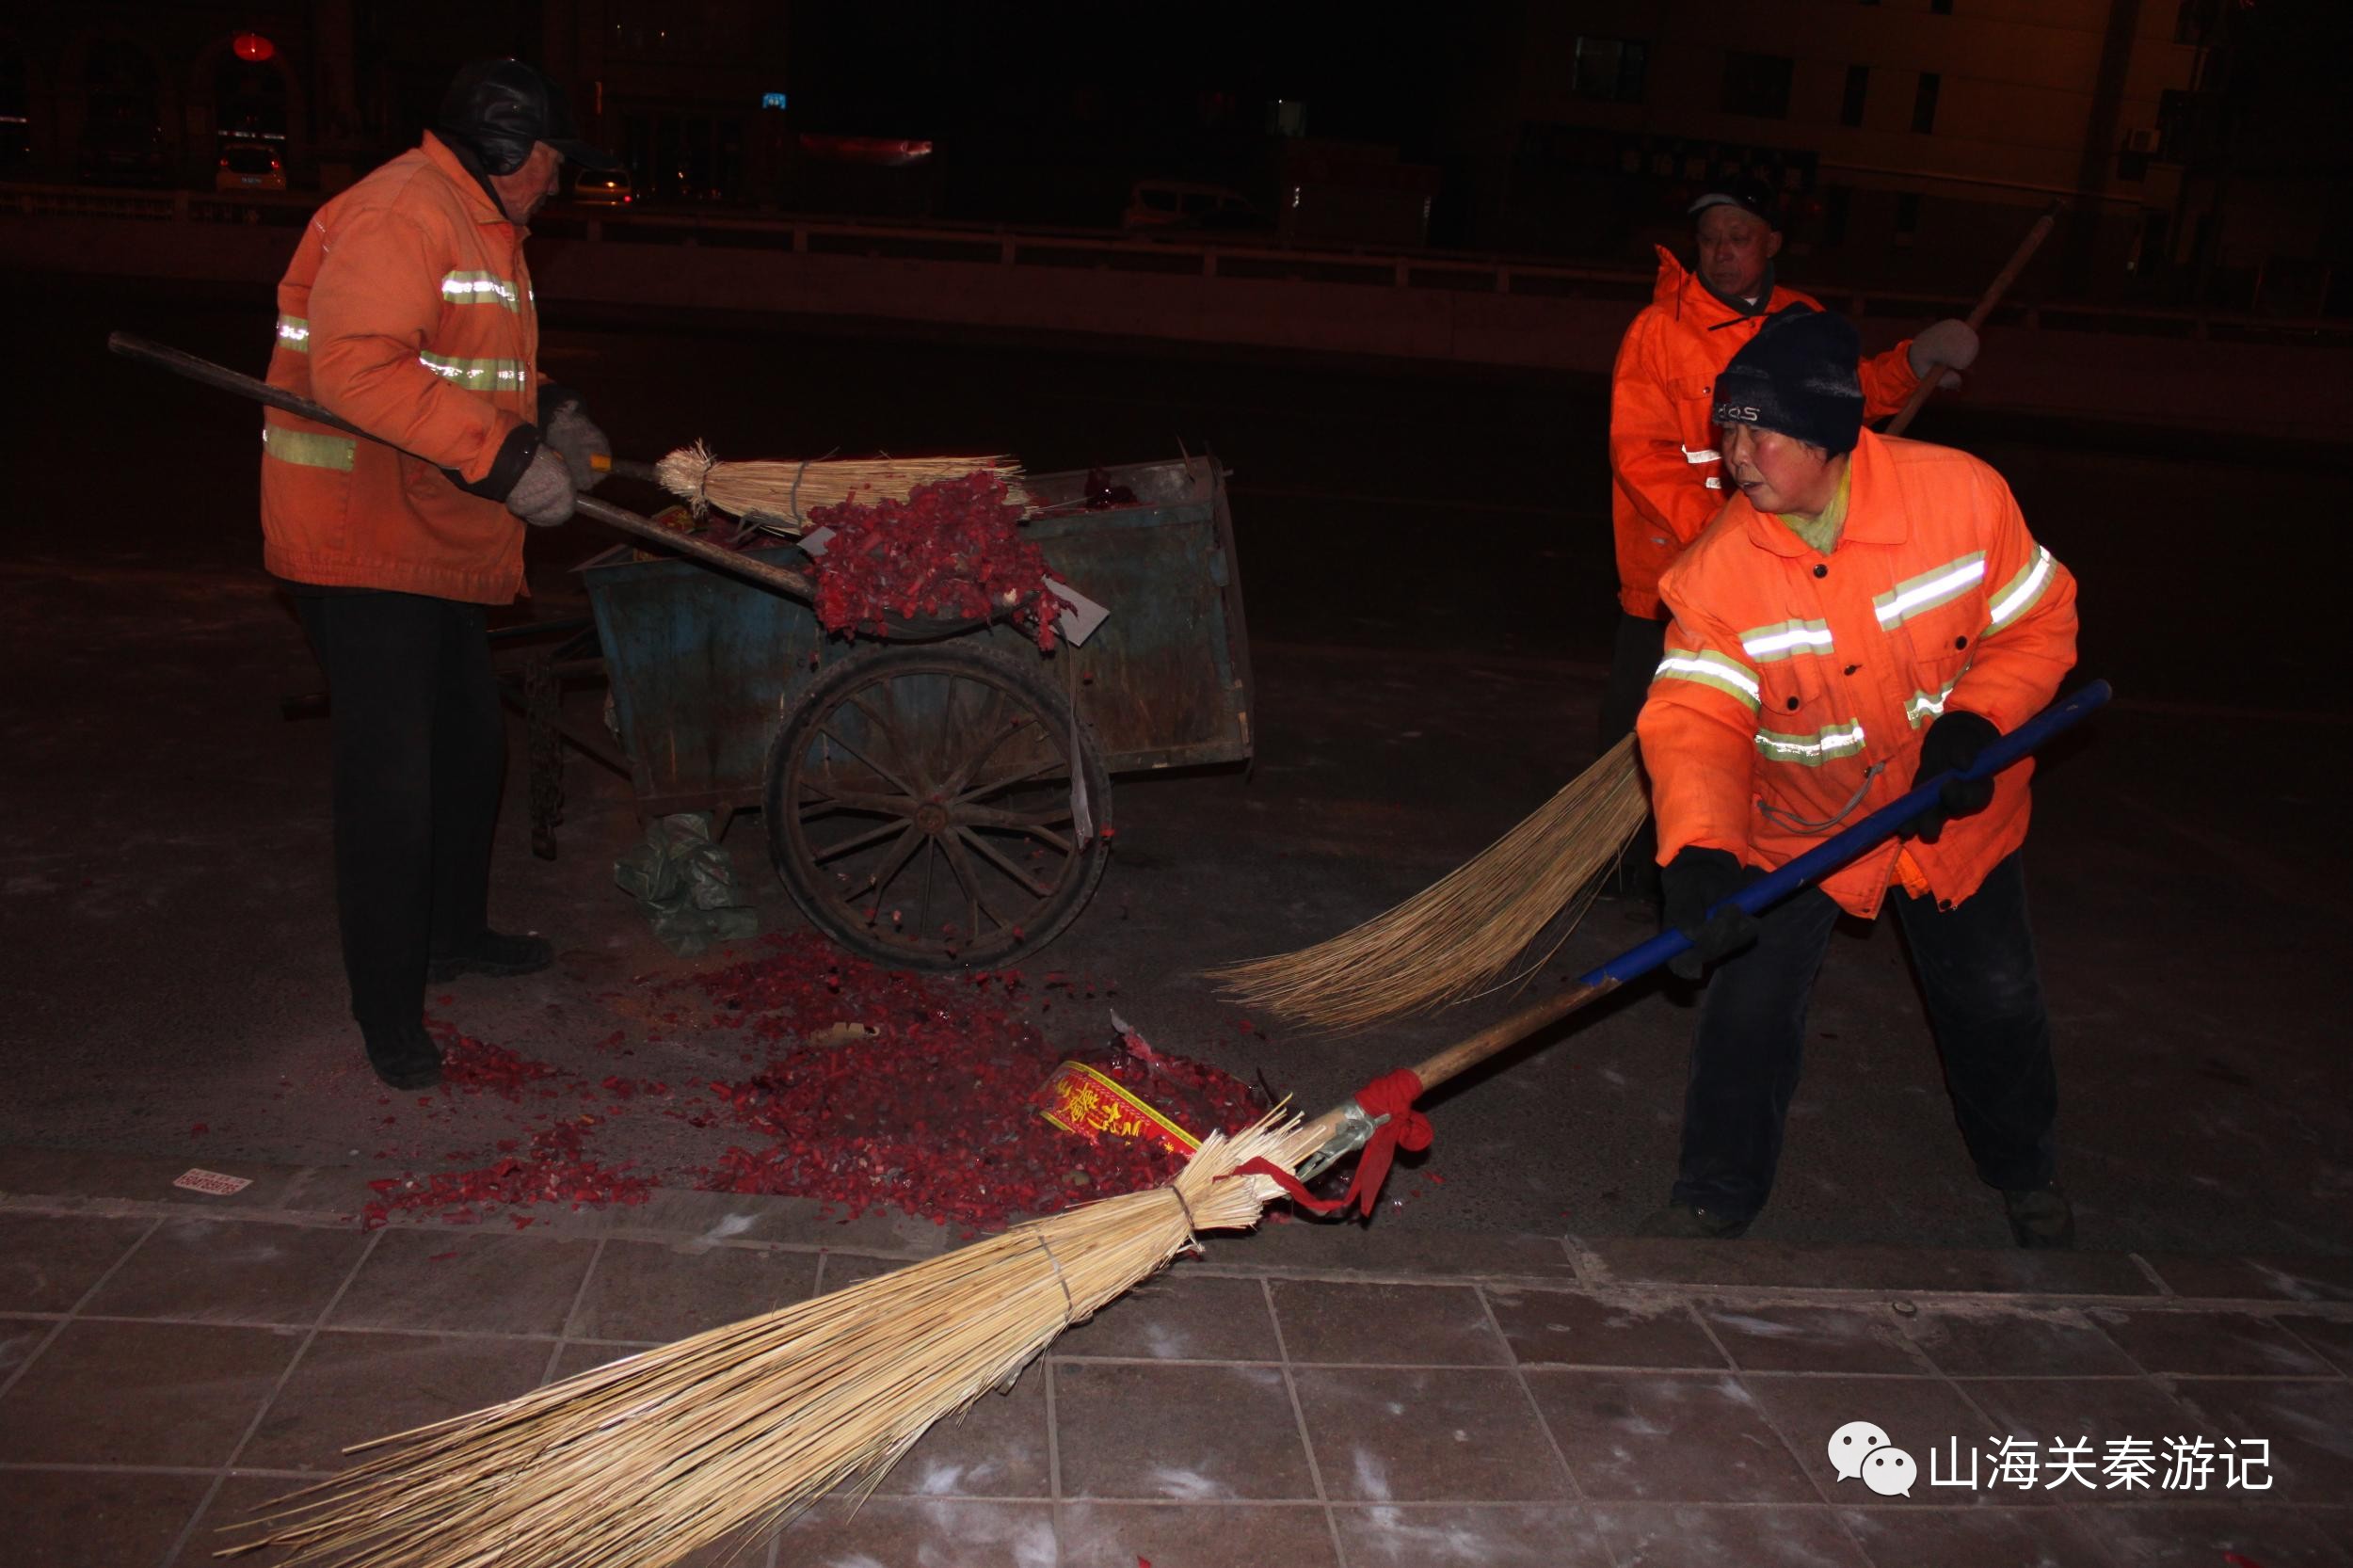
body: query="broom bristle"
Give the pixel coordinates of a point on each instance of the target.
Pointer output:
(648, 1459)
(1462, 933)
(780, 495)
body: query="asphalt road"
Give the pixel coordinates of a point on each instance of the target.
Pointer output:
(1426, 565)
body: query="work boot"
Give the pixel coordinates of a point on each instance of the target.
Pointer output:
(1688, 1222)
(492, 953)
(2040, 1217)
(403, 1055)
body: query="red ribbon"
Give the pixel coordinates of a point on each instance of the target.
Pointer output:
(1392, 1095)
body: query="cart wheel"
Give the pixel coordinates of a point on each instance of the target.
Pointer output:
(921, 808)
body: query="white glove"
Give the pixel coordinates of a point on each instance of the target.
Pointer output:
(1951, 343)
(543, 496)
(576, 438)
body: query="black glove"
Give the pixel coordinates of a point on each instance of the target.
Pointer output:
(1693, 880)
(565, 423)
(1952, 742)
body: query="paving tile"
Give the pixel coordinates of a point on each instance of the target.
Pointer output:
(1208, 1535)
(142, 1394)
(231, 1271)
(1181, 1315)
(1328, 1250)
(2278, 1279)
(646, 1290)
(142, 1177)
(2100, 1411)
(1862, 1268)
(18, 1338)
(1192, 1433)
(1691, 1535)
(465, 1283)
(1418, 1325)
(997, 1449)
(84, 1519)
(2006, 1341)
(2198, 1537)
(1921, 1415)
(1667, 1437)
(1772, 1338)
(2210, 1344)
(350, 1387)
(1397, 1435)
(48, 1263)
(577, 1357)
(895, 1530)
(843, 1270)
(1907, 1537)
(2308, 1426)
(1581, 1328)
(2331, 1336)
(1534, 1535)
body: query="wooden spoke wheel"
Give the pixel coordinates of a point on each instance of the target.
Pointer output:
(925, 809)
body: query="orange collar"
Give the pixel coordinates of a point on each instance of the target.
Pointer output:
(477, 200)
(1875, 513)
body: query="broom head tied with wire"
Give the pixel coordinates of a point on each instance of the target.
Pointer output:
(1462, 933)
(738, 1429)
(780, 495)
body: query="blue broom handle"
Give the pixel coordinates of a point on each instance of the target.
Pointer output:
(1868, 834)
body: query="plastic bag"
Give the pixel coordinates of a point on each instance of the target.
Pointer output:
(684, 885)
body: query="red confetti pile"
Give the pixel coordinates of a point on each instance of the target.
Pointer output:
(476, 1067)
(554, 1170)
(951, 551)
(934, 1114)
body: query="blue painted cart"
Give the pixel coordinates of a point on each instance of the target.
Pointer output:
(938, 797)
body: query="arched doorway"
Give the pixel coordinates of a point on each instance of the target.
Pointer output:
(16, 110)
(123, 118)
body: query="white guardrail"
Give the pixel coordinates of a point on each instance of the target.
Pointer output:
(1191, 255)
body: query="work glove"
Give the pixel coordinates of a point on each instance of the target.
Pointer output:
(1951, 343)
(543, 496)
(1693, 880)
(576, 438)
(1952, 742)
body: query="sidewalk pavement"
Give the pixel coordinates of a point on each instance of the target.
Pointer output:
(1303, 1396)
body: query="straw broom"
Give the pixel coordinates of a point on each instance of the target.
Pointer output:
(778, 495)
(1460, 933)
(644, 1459)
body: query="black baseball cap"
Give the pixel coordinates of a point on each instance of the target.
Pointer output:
(500, 107)
(1751, 195)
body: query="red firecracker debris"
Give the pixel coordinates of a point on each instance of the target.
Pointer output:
(934, 1114)
(554, 1170)
(951, 551)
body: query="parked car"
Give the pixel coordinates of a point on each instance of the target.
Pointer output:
(250, 165)
(593, 189)
(1180, 204)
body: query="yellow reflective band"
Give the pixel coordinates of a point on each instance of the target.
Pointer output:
(2022, 591)
(479, 375)
(309, 448)
(1711, 669)
(1811, 751)
(293, 332)
(1930, 589)
(478, 288)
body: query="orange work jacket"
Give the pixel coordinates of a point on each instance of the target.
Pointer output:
(408, 311)
(1796, 686)
(1667, 478)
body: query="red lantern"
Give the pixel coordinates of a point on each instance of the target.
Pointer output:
(253, 47)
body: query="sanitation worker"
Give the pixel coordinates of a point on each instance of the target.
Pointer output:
(408, 311)
(1666, 471)
(1864, 613)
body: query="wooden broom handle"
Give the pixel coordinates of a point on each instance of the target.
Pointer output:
(2002, 281)
(221, 377)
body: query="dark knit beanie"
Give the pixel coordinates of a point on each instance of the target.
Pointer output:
(1798, 375)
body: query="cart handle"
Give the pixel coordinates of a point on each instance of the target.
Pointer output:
(790, 584)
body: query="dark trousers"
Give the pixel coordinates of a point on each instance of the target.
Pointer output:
(1634, 654)
(1984, 994)
(420, 751)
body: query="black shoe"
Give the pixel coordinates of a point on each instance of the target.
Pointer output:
(1688, 1222)
(2040, 1217)
(494, 954)
(403, 1055)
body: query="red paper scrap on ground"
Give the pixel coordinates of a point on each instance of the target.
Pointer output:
(951, 551)
(217, 1183)
(934, 1115)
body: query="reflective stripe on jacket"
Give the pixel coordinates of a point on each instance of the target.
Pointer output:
(406, 311)
(1667, 479)
(1796, 686)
